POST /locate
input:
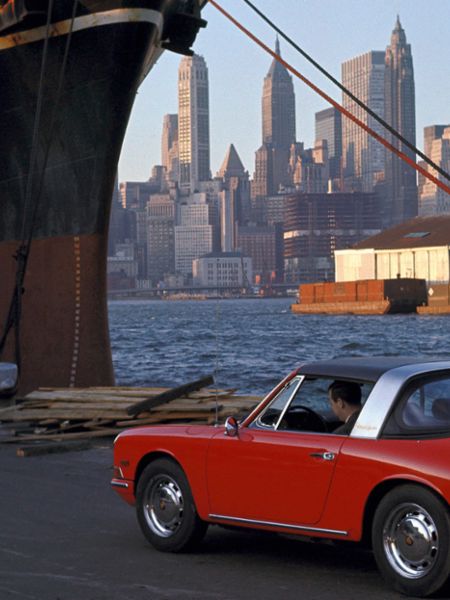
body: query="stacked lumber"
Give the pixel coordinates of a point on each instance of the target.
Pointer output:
(75, 413)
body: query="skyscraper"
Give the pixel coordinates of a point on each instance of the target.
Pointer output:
(278, 130)
(193, 122)
(234, 198)
(278, 105)
(401, 181)
(362, 155)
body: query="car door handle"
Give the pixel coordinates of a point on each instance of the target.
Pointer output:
(323, 455)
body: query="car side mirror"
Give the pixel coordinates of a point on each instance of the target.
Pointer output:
(231, 427)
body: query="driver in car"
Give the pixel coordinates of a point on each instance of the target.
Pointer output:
(345, 402)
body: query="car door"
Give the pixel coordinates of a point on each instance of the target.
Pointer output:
(271, 476)
(267, 473)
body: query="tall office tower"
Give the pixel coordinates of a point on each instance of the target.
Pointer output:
(329, 128)
(278, 105)
(362, 155)
(193, 122)
(278, 130)
(400, 113)
(433, 200)
(169, 146)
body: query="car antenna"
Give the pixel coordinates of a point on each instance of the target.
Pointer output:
(217, 364)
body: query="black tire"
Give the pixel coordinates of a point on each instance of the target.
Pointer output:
(165, 508)
(411, 540)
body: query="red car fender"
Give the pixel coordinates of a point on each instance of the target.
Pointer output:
(368, 469)
(185, 444)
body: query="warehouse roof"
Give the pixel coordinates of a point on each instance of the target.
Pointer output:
(415, 233)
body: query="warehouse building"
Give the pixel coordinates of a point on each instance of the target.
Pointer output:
(418, 248)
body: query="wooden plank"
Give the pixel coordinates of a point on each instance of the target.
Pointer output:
(162, 417)
(63, 436)
(128, 390)
(170, 395)
(67, 414)
(52, 448)
(78, 396)
(104, 406)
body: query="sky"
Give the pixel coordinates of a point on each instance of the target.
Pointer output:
(331, 31)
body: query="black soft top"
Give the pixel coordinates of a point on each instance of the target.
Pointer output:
(361, 368)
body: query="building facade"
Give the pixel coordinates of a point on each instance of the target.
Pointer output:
(193, 234)
(316, 225)
(264, 245)
(193, 123)
(160, 237)
(223, 270)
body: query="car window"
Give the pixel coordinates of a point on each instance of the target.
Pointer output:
(423, 409)
(271, 414)
(302, 405)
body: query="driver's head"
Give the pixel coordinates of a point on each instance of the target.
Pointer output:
(345, 398)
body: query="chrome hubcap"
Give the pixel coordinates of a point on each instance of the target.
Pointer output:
(411, 542)
(163, 505)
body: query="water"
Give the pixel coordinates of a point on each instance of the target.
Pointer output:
(250, 345)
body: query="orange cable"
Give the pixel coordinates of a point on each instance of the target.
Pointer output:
(330, 100)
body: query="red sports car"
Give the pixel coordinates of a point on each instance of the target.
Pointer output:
(382, 478)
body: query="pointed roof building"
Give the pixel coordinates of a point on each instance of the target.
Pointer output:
(399, 112)
(232, 165)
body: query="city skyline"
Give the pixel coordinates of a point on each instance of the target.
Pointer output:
(237, 69)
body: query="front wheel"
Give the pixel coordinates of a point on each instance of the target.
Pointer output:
(165, 508)
(411, 540)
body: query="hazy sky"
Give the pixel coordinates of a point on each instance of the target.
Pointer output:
(331, 31)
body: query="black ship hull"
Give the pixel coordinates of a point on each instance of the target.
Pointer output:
(62, 127)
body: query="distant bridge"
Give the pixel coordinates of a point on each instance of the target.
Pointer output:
(274, 289)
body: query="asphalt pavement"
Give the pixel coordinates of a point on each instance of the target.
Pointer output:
(66, 535)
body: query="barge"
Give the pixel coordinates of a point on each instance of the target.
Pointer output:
(438, 300)
(362, 297)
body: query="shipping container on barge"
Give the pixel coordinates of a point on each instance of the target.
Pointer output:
(363, 297)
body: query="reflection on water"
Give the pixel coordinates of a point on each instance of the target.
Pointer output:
(251, 344)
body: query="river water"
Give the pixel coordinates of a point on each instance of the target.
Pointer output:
(251, 344)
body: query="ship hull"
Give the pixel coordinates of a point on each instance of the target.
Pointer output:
(63, 207)
(64, 326)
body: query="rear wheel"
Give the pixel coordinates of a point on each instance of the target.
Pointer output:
(411, 540)
(165, 508)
